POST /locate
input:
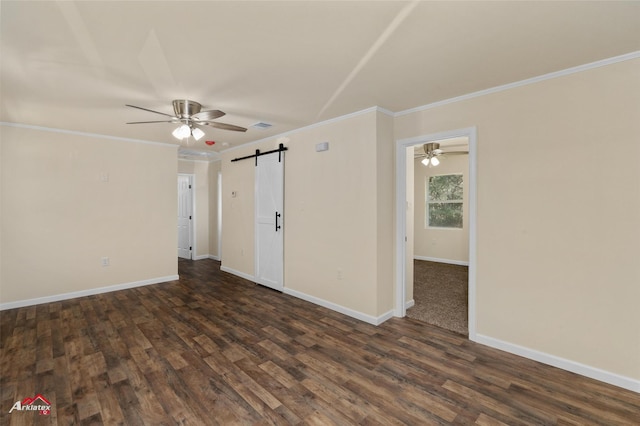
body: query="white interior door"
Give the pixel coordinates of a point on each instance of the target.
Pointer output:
(185, 216)
(269, 200)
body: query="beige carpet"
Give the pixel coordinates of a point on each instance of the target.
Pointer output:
(441, 295)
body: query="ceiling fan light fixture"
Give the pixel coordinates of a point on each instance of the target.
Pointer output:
(435, 161)
(197, 133)
(425, 161)
(182, 132)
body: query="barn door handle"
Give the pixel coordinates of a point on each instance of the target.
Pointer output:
(277, 226)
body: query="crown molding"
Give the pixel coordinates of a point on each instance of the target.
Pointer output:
(198, 161)
(544, 77)
(311, 126)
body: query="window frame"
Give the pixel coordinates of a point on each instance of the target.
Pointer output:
(428, 202)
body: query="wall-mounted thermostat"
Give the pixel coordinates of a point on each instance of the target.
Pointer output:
(322, 146)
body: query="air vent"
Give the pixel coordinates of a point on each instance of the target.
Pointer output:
(261, 125)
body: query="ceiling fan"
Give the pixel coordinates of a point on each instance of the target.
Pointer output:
(432, 151)
(190, 116)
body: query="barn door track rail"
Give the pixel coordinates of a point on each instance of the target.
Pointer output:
(281, 148)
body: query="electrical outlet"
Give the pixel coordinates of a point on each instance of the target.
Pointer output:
(339, 275)
(105, 261)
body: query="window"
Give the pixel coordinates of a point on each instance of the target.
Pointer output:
(444, 201)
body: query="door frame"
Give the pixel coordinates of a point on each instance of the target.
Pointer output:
(192, 224)
(401, 226)
(219, 213)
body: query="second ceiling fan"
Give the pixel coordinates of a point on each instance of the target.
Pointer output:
(190, 116)
(432, 151)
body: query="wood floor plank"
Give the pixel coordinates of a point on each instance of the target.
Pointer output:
(129, 404)
(528, 414)
(485, 420)
(353, 412)
(109, 406)
(279, 374)
(214, 349)
(164, 390)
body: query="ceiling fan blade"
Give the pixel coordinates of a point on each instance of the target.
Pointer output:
(225, 126)
(208, 115)
(162, 121)
(150, 110)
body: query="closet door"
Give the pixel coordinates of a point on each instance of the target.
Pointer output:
(185, 221)
(269, 216)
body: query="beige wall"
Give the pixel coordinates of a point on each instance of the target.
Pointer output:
(238, 211)
(214, 169)
(59, 218)
(338, 213)
(385, 212)
(438, 243)
(558, 229)
(330, 214)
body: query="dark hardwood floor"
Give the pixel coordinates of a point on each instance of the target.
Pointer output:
(212, 348)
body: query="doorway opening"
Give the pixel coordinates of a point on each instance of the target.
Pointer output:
(439, 288)
(405, 180)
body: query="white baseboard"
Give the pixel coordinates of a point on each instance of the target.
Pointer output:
(436, 259)
(206, 256)
(238, 273)
(382, 318)
(339, 308)
(565, 364)
(409, 304)
(321, 302)
(83, 293)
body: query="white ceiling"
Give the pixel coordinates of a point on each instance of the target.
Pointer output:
(74, 65)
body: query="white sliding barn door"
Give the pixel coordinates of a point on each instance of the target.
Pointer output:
(185, 206)
(269, 200)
